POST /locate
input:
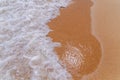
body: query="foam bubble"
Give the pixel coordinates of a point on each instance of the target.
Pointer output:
(25, 51)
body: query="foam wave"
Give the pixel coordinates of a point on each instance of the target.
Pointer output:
(25, 51)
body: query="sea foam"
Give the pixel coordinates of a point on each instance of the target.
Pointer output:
(25, 51)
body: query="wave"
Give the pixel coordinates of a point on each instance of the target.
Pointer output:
(25, 51)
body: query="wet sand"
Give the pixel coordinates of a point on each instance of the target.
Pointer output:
(106, 26)
(86, 35)
(73, 30)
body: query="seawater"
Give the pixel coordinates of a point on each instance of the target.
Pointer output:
(25, 51)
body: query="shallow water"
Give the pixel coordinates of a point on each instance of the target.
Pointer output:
(75, 25)
(80, 51)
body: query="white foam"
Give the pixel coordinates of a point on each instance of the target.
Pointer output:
(25, 51)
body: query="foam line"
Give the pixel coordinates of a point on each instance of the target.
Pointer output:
(23, 30)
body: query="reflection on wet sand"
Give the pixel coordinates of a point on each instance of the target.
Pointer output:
(80, 51)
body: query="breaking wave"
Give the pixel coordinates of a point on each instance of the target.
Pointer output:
(25, 51)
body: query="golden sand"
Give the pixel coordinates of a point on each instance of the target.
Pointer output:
(106, 26)
(80, 51)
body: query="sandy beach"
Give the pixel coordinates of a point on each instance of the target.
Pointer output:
(52, 40)
(92, 26)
